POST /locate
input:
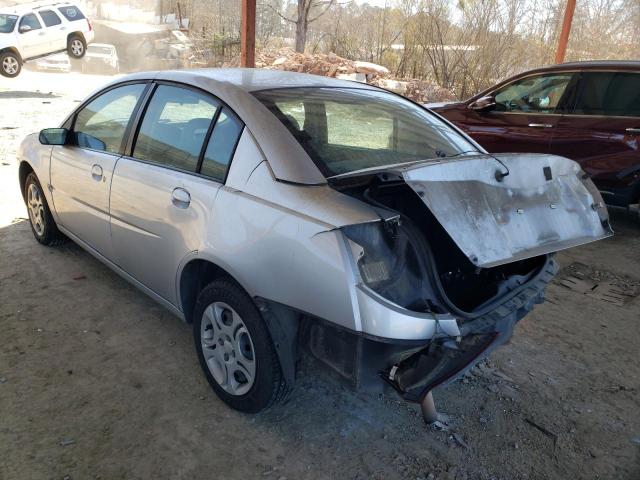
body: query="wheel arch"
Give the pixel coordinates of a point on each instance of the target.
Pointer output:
(12, 50)
(195, 274)
(24, 170)
(76, 33)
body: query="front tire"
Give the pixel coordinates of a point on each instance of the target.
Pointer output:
(10, 64)
(235, 349)
(76, 47)
(43, 226)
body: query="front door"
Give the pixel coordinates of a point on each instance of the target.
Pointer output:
(602, 133)
(32, 37)
(524, 117)
(81, 172)
(161, 198)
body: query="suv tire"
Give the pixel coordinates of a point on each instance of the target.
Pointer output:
(235, 349)
(76, 46)
(43, 225)
(10, 64)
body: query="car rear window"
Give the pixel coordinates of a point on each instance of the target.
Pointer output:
(348, 129)
(71, 13)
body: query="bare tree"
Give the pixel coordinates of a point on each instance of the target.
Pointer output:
(304, 18)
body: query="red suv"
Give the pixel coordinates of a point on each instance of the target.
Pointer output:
(586, 111)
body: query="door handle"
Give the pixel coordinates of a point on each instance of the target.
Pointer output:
(633, 131)
(41, 34)
(96, 172)
(540, 125)
(180, 198)
(63, 28)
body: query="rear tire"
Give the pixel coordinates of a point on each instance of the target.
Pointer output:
(235, 349)
(76, 46)
(43, 226)
(10, 64)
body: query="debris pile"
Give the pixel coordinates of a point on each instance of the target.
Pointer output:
(332, 65)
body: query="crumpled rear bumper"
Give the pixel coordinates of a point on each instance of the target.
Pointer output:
(443, 360)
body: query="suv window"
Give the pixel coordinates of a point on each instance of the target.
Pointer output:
(609, 93)
(102, 123)
(222, 145)
(538, 94)
(30, 20)
(71, 13)
(7, 22)
(174, 127)
(50, 18)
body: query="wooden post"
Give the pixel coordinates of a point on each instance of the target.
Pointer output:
(566, 29)
(248, 34)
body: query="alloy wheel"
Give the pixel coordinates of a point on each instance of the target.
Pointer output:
(228, 349)
(77, 47)
(35, 206)
(10, 65)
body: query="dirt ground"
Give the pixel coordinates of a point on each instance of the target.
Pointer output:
(99, 382)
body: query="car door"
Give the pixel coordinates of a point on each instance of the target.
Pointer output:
(524, 116)
(55, 30)
(602, 132)
(32, 37)
(81, 173)
(162, 194)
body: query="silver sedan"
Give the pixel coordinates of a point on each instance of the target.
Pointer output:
(275, 211)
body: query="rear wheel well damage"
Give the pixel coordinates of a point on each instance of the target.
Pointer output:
(281, 321)
(23, 172)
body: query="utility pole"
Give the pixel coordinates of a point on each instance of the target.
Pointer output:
(566, 29)
(248, 34)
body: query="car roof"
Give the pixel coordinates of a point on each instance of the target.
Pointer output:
(22, 8)
(255, 79)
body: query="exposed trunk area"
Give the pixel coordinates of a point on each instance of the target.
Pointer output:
(461, 285)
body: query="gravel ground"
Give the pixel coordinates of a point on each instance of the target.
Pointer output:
(97, 381)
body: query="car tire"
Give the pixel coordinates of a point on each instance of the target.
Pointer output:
(76, 47)
(10, 64)
(43, 225)
(235, 349)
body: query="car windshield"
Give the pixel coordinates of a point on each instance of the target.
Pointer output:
(349, 129)
(7, 22)
(98, 49)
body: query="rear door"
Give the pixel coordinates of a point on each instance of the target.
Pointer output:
(32, 36)
(525, 115)
(81, 173)
(602, 132)
(162, 194)
(55, 30)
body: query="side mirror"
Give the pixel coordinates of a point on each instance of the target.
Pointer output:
(53, 136)
(483, 104)
(24, 28)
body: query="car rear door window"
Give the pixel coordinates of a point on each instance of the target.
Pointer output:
(31, 21)
(102, 123)
(50, 18)
(222, 144)
(174, 127)
(535, 94)
(71, 13)
(609, 94)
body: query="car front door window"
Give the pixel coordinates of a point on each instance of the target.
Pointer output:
(31, 21)
(537, 94)
(102, 123)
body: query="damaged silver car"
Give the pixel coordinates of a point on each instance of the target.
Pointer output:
(276, 211)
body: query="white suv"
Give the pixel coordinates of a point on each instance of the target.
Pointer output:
(30, 31)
